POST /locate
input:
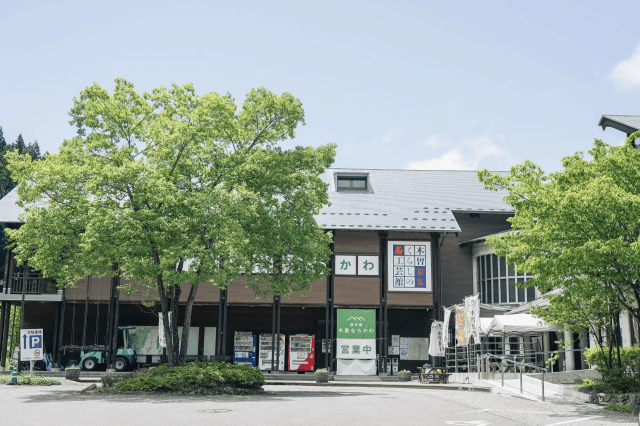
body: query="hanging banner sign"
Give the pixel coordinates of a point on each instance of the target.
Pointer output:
(461, 321)
(445, 326)
(356, 324)
(472, 308)
(435, 342)
(31, 345)
(409, 265)
(356, 334)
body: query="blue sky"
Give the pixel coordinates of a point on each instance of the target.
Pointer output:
(428, 85)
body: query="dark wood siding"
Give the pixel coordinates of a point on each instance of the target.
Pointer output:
(357, 291)
(457, 269)
(356, 242)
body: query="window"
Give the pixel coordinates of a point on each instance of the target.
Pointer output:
(498, 282)
(351, 183)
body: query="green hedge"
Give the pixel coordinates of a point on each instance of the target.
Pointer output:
(29, 380)
(194, 377)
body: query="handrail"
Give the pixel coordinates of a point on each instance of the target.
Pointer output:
(514, 362)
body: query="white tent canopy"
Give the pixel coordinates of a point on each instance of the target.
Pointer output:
(517, 323)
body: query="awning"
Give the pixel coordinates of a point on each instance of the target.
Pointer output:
(518, 323)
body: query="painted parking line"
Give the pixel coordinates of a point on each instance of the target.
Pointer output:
(574, 420)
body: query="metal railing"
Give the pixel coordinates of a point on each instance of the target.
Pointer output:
(483, 360)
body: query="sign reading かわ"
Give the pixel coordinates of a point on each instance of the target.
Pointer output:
(31, 344)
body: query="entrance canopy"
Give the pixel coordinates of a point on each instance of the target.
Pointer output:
(518, 323)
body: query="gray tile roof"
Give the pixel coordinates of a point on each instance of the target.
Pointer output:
(408, 200)
(403, 200)
(9, 210)
(625, 123)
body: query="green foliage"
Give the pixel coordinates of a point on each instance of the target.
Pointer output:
(14, 331)
(620, 408)
(614, 379)
(194, 377)
(576, 230)
(161, 180)
(629, 357)
(24, 379)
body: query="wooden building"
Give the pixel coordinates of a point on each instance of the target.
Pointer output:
(371, 213)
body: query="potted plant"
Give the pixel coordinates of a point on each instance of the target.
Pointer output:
(72, 372)
(404, 376)
(322, 375)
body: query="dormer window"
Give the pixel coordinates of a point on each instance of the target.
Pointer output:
(352, 183)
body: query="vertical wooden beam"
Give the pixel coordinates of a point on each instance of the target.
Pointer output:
(54, 349)
(3, 339)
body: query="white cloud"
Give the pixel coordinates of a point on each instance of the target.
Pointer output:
(626, 74)
(470, 154)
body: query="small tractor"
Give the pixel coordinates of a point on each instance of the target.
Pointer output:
(94, 357)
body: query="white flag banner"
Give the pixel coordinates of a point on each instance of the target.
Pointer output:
(445, 326)
(472, 308)
(435, 342)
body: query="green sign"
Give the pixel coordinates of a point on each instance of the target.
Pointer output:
(356, 324)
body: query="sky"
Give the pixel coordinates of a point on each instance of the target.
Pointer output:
(397, 84)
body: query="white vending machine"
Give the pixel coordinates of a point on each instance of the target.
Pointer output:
(264, 359)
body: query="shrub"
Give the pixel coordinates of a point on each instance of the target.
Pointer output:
(195, 377)
(30, 380)
(614, 380)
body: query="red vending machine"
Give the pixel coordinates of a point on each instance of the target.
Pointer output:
(302, 352)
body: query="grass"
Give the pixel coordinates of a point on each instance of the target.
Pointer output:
(619, 408)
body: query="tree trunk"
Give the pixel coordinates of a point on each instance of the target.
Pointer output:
(187, 323)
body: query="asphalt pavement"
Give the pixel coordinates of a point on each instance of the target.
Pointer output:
(295, 405)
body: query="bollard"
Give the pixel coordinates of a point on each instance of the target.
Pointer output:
(502, 374)
(542, 386)
(521, 380)
(14, 376)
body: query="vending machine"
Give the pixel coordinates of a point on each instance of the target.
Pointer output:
(264, 359)
(302, 352)
(244, 348)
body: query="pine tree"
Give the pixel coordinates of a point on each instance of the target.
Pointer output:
(19, 145)
(34, 150)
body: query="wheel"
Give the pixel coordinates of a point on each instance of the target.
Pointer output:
(121, 364)
(39, 365)
(90, 364)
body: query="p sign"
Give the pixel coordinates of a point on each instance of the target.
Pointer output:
(31, 345)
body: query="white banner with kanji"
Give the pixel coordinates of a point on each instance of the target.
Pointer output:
(356, 348)
(445, 326)
(435, 342)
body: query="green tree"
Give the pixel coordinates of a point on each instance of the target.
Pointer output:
(170, 188)
(577, 230)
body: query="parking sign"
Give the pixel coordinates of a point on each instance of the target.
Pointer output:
(31, 344)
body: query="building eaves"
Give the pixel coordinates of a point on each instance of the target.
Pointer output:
(625, 123)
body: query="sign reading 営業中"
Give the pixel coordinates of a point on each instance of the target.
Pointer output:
(356, 334)
(31, 345)
(409, 265)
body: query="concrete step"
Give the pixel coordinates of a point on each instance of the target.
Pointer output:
(532, 389)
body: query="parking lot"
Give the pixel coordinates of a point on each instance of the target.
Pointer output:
(295, 405)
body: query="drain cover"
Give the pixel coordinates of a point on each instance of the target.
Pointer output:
(216, 410)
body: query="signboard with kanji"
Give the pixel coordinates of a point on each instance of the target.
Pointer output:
(31, 345)
(409, 265)
(356, 334)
